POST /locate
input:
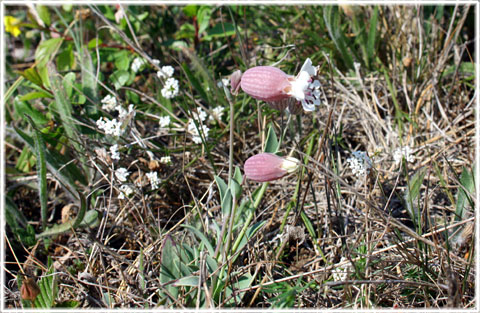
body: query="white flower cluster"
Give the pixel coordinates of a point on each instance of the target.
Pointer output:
(114, 152)
(360, 163)
(216, 112)
(403, 152)
(126, 191)
(166, 160)
(122, 174)
(111, 127)
(164, 121)
(137, 64)
(192, 129)
(122, 113)
(167, 71)
(341, 273)
(109, 103)
(153, 179)
(200, 116)
(170, 89)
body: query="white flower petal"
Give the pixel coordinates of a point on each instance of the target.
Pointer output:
(307, 67)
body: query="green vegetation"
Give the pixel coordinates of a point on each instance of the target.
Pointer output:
(124, 152)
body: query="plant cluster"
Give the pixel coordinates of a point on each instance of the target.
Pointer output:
(139, 175)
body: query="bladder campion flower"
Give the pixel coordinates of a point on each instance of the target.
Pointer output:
(280, 90)
(266, 166)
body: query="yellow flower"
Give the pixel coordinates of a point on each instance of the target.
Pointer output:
(12, 25)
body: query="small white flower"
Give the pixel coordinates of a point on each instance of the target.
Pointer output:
(200, 115)
(122, 174)
(164, 121)
(122, 113)
(153, 179)
(170, 89)
(114, 152)
(126, 191)
(111, 127)
(109, 103)
(341, 273)
(403, 152)
(225, 82)
(192, 129)
(360, 163)
(166, 160)
(304, 89)
(137, 64)
(156, 61)
(167, 71)
(216, 112)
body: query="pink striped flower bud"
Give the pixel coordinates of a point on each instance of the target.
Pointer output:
(265, 167)
(266, 83)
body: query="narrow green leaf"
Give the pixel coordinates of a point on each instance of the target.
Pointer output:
(222, 186)
(413, 191)
(467, 183)
(187, 281)
(372, 34)
(332, 21)
(227, 203)
(308, 225)
(202, 238)
(12, 88)
(41, 170)
(13, 215)
(82, 219)
(67, 175)
(35, 95)
(170, 269)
